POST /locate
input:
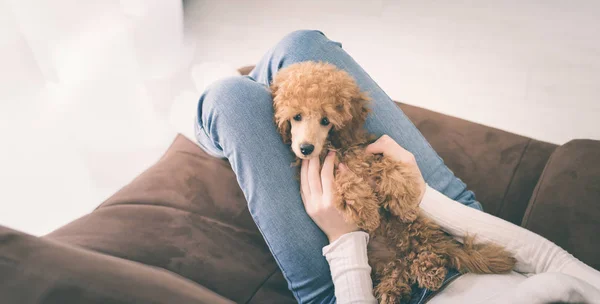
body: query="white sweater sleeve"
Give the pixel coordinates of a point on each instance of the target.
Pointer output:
(350, 270)
(534, 253)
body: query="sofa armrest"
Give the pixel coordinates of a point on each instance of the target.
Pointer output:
(35, 270)
(565, 207)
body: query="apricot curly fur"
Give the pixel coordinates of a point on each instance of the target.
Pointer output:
(406, 248)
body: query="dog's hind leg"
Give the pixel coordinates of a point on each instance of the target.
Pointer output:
(429, 269)
(481, 258)
(392, 286)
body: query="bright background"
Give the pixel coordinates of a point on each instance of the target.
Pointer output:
(93, 92)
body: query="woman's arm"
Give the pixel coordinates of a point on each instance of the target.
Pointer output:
(350, 270)
(534, 253)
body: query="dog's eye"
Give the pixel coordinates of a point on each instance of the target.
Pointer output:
(325, 121)
(298, 117)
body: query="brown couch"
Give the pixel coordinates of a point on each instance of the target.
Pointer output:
(181, 232)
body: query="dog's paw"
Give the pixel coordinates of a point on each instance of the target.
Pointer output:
(389, 299)
(429, 270)
(434, 278)
(391, 288)
(395, 295)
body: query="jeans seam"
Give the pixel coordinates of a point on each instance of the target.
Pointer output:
(199, 123)
(261, 285)
(292, 289)
(444, 285)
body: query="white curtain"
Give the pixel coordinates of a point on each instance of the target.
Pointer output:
(84, 91)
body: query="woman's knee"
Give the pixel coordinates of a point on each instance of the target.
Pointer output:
(303, 43)
(232, 98)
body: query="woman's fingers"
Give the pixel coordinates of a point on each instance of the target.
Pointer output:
(342, 168)
(387, 146)
(379, 146)
(327, 173)
(304, 186)
(317, 186)
(314, 177)
(383, 145)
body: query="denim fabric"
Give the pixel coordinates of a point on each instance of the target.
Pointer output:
(235, 121)
(422, 295)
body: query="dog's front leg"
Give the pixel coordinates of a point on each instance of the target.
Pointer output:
(397, 187)
(356, 199)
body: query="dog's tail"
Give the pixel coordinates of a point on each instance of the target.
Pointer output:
(481, 258)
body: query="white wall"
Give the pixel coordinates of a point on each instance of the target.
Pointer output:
(81, 91)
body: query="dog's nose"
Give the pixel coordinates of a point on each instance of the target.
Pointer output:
(306, 149)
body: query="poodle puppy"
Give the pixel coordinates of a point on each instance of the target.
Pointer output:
(318, 107)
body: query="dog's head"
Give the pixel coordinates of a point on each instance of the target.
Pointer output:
(316, 105)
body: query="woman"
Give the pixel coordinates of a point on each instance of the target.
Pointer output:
(235, 121)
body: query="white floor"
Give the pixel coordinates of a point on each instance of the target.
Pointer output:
(529, 67)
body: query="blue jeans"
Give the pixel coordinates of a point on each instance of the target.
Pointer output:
(235, 121)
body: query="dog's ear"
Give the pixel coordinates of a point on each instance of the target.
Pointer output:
(284, 128)
(353, 131)
(360, 110)
(281, 120)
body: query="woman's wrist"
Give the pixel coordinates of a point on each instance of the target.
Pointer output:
(354, 239)
(350, 270)
(334, 237)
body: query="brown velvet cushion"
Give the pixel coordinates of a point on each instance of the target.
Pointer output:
(500, 167)
(38, 271)
(566, 205)
(188, 215)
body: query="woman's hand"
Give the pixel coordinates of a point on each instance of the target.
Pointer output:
(388, 147)
(318, 195)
